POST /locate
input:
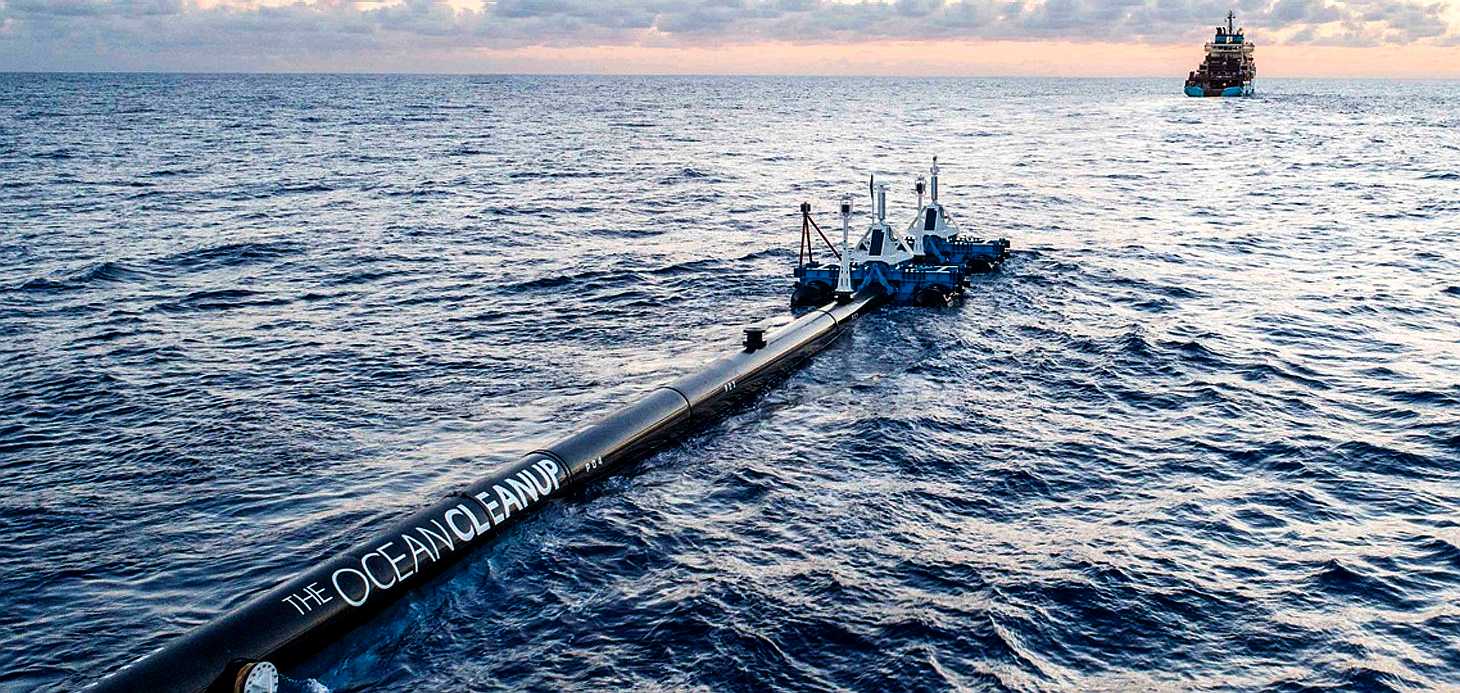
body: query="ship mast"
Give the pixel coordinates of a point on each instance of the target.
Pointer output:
(1231, 16)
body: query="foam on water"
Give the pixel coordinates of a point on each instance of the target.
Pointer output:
(1200, 431)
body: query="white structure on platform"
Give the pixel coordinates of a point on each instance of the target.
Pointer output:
(880, 243)
(932, 219)
(844, 270)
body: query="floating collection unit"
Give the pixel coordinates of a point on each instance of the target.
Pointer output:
(926, 263)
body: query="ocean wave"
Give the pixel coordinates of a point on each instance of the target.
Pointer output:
(228, 255)
(219, 299)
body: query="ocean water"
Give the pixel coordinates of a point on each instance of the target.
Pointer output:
(1202, 431)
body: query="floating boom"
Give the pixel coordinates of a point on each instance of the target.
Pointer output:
(238, 651)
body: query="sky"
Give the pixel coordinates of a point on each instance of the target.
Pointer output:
(1098, 38)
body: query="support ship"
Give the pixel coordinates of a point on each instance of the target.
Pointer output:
(1229, 66)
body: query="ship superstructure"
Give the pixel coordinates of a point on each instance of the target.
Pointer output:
(1229, 66)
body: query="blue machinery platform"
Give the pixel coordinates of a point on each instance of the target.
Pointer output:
(237, 652)
(926, 264)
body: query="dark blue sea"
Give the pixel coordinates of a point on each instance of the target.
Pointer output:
(1202, 431)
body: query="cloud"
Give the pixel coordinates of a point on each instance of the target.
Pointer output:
(43, 34)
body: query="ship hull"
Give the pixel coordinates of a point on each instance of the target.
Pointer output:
(1194, 90)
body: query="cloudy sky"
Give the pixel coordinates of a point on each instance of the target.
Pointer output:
(1398, 38)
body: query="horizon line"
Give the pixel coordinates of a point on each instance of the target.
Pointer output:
(456, 73)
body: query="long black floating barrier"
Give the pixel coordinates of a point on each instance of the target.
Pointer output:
(238, 650)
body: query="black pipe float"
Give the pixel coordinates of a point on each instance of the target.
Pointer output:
(288, 622)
